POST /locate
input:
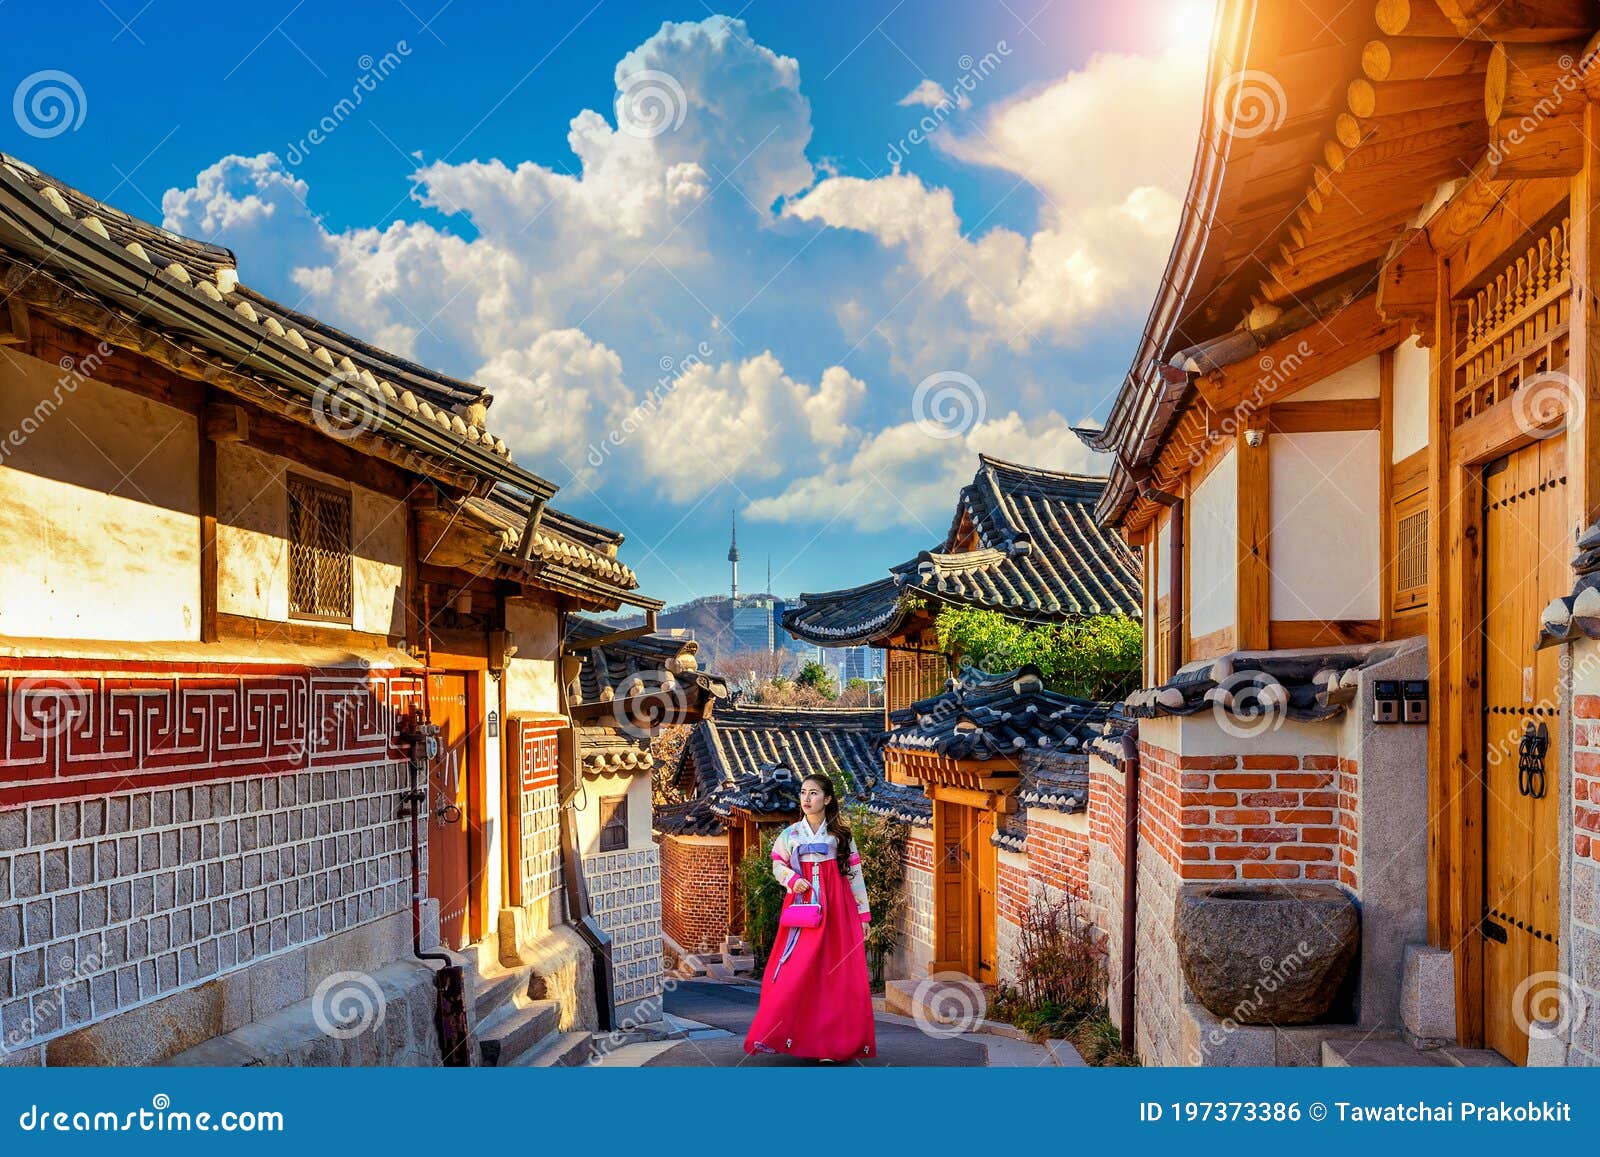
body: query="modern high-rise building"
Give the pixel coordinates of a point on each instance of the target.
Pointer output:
(753, 625)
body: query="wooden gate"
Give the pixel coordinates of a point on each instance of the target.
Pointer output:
(449, 809)
(1525, 566)
(964, 892)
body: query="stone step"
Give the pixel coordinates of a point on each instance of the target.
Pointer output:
(558, 1050)
(495, 990)
(1379, 1050)
(947, 1000)
(512, 1031)
(739, 962)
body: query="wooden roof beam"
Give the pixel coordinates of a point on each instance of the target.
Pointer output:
(1299, 359)
(1408, 58)
(1520, 21)
(1534, 96)
(1408, 285)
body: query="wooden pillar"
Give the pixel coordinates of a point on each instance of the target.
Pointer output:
(1253, 596)
(1386, 523)
(1583, 415)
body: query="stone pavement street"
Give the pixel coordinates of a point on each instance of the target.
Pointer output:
(714, 1015)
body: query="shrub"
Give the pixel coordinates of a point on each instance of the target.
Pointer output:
(1061, 984)
(1093, 658)
(881, 842)
(763, 897)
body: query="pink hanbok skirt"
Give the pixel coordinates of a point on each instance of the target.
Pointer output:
(816, 995)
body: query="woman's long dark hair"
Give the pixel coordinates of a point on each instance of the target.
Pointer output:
(830, 812)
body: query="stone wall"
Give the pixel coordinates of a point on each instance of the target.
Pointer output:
(625, 896)
(694, 891)
(118, 901)
(914, 949)
(1580, 834)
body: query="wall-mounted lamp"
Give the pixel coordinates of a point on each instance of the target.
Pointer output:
(1255, 438)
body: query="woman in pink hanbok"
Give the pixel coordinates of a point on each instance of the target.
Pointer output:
(816, 998)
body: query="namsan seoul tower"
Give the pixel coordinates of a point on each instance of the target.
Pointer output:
(733, 557)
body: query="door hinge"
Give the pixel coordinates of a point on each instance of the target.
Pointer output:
(1493, 931)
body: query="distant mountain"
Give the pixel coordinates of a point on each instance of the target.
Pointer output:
(710, 617)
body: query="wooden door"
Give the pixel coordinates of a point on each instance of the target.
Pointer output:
(449, 836)
(950, 886)
(986, 949)
(1525, 566)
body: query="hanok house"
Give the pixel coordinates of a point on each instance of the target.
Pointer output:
(623, 687)
(1022, 542)
(1001, 770)
(251, 563)
(740, 774)
(1357, 445)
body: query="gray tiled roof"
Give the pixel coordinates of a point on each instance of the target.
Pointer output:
(1010, 715)
(1307, 685)
(1577, 615)
(1040, 557)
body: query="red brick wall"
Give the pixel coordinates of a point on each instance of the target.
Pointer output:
(1348, 833)
(1058, 857)
(1105, 807)
(694, 893)
(1011, 892)
(1249, 817)
(918, 853)
(1586, 776)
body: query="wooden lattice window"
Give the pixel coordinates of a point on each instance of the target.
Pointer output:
(1411, 557)
(319, 551)
(614, 823)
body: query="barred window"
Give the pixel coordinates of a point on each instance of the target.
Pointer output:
(319, 551)
(614, 823)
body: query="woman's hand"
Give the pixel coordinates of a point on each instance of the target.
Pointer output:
(800, 886)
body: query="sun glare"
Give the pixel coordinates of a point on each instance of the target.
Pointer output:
(1189, 23)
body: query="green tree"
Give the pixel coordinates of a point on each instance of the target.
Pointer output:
(1095, 658)
(815, 676)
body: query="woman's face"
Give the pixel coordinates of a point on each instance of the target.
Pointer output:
(813, 800)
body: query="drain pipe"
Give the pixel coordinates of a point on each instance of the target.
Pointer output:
(1130, 877)
(421, 737)
(575, 885)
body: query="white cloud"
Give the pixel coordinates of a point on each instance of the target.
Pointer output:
(1109, 147)
(929, 93)
(749, 419)
(903, 477)
(554, 397)
(566, 292)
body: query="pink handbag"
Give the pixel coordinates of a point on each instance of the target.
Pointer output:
(803, 913)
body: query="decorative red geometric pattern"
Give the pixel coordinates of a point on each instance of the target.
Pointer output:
(539, 742)
(78, 727)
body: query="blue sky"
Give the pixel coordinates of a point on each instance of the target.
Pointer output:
(706, 259)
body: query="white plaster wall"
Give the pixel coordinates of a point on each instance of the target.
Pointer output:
(531, 674)
(1358, 381)
(1410, 399)
(1213, 537)
(1202, 734)
(1164, 558)
(586, 809)
(1325, 525)
(253, 546)
(99, 510)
